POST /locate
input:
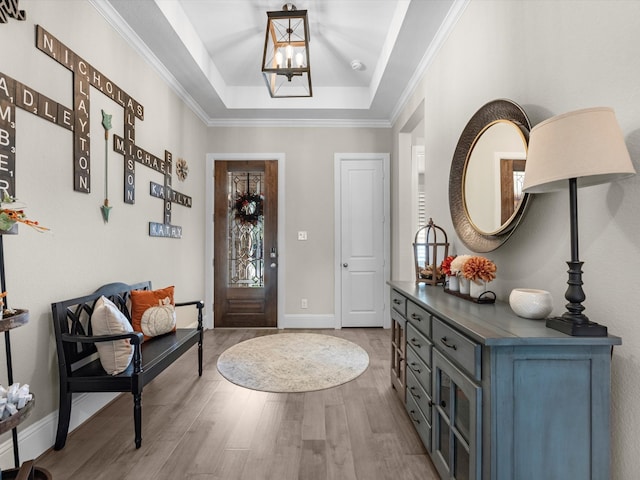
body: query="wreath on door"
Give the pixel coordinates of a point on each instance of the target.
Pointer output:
(249, 208)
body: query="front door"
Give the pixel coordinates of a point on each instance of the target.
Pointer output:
(245, 243)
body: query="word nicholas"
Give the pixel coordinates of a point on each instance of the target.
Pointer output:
(16, 94)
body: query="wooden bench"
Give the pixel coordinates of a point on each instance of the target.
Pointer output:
(79, 365)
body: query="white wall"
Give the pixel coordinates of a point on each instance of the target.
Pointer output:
(81, 252)
(551, 57)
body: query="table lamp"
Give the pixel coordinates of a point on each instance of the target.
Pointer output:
(576, 149)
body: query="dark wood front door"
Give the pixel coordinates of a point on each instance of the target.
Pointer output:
(245, 244)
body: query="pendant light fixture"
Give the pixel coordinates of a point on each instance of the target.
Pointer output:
(285, 62)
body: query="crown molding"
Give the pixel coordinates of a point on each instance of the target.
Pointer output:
(453, 15)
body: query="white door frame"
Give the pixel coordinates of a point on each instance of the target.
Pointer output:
(210, 190)
(337, 275)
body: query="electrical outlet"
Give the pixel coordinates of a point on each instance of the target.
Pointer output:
(304, 303)
(302, 235)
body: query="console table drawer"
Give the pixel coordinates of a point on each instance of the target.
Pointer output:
(420, 423)
(398, 302)
(422, 398)
(398, 318)
(419, 343)
(420, 318)
(419, 368)
(458, 348)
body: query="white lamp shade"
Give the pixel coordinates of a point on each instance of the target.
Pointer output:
(587, 145)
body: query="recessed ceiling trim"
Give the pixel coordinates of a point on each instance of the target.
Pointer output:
(198, 82)
(298, 123)
(334, 98)
(452, 17)
(392, 35)
(183, 28)
(116, 21)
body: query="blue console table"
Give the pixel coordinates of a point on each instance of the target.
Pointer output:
(497, 397)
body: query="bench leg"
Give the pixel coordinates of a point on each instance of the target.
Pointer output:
(64, 417)
(200, 355)
(137, 417)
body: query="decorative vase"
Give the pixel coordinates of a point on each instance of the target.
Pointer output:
(531, 303)
(464, 285)
(452, 281)
(477, 288)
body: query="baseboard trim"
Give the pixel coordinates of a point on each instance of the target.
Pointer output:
(40, 436)
(308, 321)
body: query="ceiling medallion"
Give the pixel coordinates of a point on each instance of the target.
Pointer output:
(285, 61)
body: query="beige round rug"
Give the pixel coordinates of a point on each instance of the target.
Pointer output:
(292, 362)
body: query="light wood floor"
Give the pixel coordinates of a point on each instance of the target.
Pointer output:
(207, 428)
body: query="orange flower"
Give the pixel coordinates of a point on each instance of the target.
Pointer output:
(479, 268)
(445, 266)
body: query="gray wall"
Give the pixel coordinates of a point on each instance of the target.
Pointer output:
(549, 57)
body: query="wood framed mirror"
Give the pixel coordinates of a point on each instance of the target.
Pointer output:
(487, 172)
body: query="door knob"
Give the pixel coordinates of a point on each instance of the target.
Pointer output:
(273, 265)
(345, 265)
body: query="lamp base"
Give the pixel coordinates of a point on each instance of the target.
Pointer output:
(575, 329)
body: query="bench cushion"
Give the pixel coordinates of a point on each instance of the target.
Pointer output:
(107, 319)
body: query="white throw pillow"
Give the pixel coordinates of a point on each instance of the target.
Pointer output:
(108, 320)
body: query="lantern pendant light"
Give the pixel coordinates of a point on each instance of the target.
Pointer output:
(285, 62)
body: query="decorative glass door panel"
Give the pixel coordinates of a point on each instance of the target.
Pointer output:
(246, 230)
(245, 249)
(457, 422)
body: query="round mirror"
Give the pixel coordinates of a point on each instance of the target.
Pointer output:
(487, 173)
(493, 177)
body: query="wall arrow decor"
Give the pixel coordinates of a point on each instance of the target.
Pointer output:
(106, 123)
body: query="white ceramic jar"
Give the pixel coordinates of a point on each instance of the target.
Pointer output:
(531, 303)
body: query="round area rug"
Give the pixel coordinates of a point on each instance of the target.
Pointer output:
(292, 362)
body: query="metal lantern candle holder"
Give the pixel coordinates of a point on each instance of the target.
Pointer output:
(429, 250)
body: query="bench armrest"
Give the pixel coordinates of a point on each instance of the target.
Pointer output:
(134, 337)
(199, 305)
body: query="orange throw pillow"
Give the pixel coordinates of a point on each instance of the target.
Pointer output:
(141, 300)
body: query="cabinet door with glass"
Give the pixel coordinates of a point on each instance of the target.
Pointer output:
(457, 421)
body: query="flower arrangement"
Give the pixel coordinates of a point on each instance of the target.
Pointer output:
(11, 213)
(445, 266)
(479, 269)
(468, 276)
(249, 208)
(458, 263)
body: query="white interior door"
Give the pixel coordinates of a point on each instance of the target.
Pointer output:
(362, 241)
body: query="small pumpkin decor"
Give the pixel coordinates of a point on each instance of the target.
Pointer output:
(249, 208)
(143, 300)
(160, 319)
